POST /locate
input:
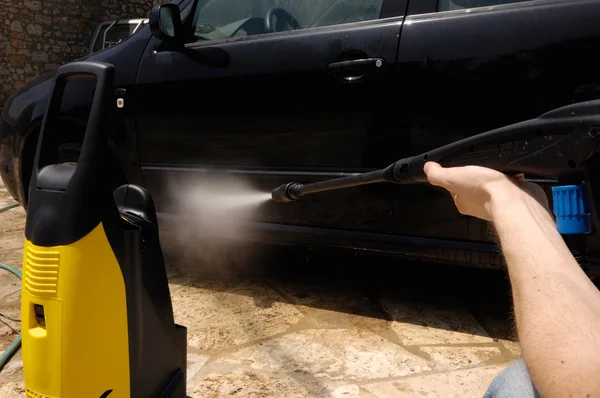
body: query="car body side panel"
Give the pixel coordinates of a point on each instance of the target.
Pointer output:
(265, 110)
(468, 71)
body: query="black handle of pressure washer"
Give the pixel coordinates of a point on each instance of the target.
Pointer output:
(75, 197)
(559, 140)
(50, 174)
(547, 153)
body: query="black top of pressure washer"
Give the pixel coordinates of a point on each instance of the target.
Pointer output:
(66, 201)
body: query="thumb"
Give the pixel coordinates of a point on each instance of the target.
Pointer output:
(436, 174)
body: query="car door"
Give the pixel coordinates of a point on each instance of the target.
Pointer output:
(312, 99)
(467, 70)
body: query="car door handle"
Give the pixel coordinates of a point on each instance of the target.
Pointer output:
(355, 69)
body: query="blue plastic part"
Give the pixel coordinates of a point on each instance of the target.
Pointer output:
(571, 210)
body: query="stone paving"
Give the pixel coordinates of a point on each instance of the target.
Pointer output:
(313, 324)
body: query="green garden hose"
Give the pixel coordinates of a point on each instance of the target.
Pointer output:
(10, 206)
(12, 349)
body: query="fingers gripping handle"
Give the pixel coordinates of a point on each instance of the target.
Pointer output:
(95, 138)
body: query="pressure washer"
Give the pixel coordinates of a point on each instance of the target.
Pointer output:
(556, 146)
(96, 313)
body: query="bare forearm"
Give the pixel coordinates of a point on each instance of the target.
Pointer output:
(557, 308)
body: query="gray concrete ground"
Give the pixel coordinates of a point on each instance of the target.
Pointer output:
(316, 324)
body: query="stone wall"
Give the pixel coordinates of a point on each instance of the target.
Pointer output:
(39, 35)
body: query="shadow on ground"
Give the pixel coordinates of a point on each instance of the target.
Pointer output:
(356, 283)
(325, 320)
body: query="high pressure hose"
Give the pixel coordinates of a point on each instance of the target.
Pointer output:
(14, 346)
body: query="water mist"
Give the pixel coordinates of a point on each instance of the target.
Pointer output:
(210, 235)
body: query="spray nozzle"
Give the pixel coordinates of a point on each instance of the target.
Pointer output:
(286, 192)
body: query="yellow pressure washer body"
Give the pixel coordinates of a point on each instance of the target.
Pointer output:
(97, 318)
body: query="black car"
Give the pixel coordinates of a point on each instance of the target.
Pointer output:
(272, 91)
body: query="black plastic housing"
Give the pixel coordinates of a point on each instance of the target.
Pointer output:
(77, 197)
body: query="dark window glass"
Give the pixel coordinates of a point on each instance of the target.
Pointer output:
(221, 19)
(449, 5)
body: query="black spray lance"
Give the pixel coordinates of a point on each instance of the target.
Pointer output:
(556, 145)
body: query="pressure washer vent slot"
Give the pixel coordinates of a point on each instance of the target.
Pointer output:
(41, 272)
(29, 393)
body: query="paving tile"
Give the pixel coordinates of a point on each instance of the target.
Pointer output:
(427, 323)
(220, 314)
(8, 334)
(452, 358)
(464, 383)
(339, 305)
(499, 324)
(10, 303)
(323, 318)
(243, 383)
(10, 295)
(341, 389)
(513, 346)
(331, 353)
(14, 366)
(195, 363)
(12, 224)
(324, 294)
(496, 320)
(13, 390)
(13, 371)
(5, 198)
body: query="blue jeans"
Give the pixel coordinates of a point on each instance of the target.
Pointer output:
(514, 381)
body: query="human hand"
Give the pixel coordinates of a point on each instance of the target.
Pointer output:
(482, 192)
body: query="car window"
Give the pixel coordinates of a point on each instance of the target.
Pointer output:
(219, 19)
(448, 5)
(110, 34)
